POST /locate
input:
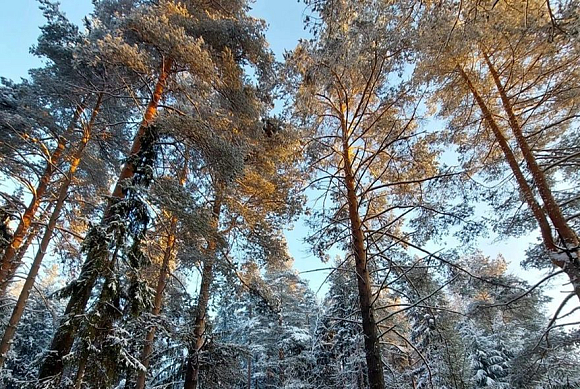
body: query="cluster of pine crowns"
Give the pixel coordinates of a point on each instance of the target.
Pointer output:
(148, 186)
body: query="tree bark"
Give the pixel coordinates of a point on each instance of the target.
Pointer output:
(35, 267)
(570, 268)
(192, 363)
(32, 234)
(511, 159)
(552, 208)
(161, 281)
(8, 267)
(249, 372)
(64, 338)
(569, 238)
(372, 345)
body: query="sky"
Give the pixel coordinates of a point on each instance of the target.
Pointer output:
(19, 21)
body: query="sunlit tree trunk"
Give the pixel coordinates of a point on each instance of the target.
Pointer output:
(35, 267)
(525, 188)
(372, 344)
(573, 271)
(8, 266)
(32, 235)
(552, 208)
(81, 292)
(571, 263)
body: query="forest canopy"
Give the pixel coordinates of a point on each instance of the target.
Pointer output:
(154, 167)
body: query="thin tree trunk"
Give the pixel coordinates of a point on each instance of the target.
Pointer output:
(8, 267)
(192, 363)
(571, 269)
(249, 383)
(32, 234)
(35, 267)
(64, 338)
(161, 281)
(80, 372)
(372, 345)
(281, 355)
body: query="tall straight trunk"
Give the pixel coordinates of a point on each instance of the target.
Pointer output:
(7, 266)
(192, 363)
(35, 267)
(249, 383)
(372, 344)
(249, 373)
(572, 271)
(281, 374)
(81, 292)
(161, 281)
(550, 205)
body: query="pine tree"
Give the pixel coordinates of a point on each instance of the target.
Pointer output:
(519, 84)
(367, 154)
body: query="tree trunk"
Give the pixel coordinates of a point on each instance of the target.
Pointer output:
(372, 345)
(81, 291)
(8, 267)
(35, 267)
(32, 234)
(192, 363)
(80, 372)
(161, 281)
(249, 383)
(552, 208)
(525, 188)
(571, 269)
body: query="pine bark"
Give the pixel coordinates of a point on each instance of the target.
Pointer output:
(568, 236)
(512, 161)
(161, 282)
(35, 267)
(8, 266)
(372, 344)
(81, 292)
(571, 268)
(32, 234)
(249, 372)
(192, 363)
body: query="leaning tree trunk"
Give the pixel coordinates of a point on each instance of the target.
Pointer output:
(573, 272)
(372, 344)
(523, 185)
(35, 267)
(81, 290)
(192, 363)
(7, 265)
(161, 281)
(32, 235)
(552, 208)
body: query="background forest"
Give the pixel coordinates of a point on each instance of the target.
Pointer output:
(152, 168)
